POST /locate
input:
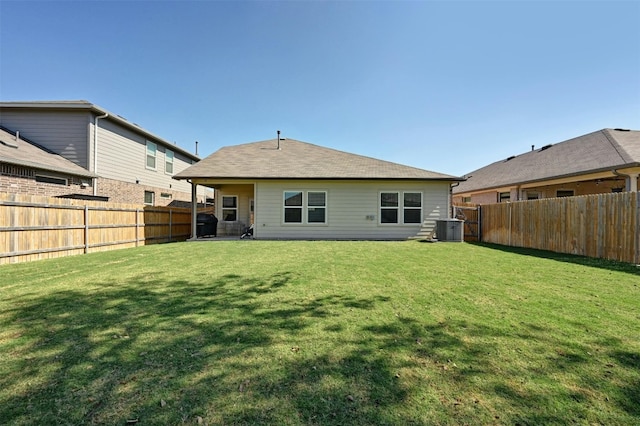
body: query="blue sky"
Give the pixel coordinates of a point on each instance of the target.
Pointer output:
(448, 86)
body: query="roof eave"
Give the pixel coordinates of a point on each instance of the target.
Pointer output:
(446, 179)
(48, 168)
(542, 180)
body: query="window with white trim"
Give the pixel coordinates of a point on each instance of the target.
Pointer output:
(152, 149)
(316, 207)
(168, 162)
(389, 207)
(400, 207)
(149, 198)
(412, 205)
(293, 207)
(305, 207)
(230, 208)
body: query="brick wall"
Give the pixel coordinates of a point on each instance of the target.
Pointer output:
(125, 192)
(29, 185)
(117, 191)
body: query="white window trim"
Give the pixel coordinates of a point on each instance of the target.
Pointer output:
(166, 161)
(400, 208)
(413, 208)
(155, 155)
(305, 208)
(153, 198)
(380, 207)
(223, 208)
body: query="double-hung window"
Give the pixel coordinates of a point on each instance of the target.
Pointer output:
(412, 206)
(389, 207)
(400, 207)
(168, 162)
(305, 207)
(293, 207)
(152, 149)
(316, 207)
(230, 208)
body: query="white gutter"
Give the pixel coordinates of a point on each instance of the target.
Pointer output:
(631, 180)
(95, 151)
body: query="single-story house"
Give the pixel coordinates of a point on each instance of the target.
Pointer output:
(604, 161)
(126, 163)
(29, 168)
(290, 189)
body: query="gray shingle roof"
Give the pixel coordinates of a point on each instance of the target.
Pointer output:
(299, 160)
(27, 154)
(599, 151)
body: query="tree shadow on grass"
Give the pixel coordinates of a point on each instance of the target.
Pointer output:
(568, 258)
(167, 352)
(226, 349)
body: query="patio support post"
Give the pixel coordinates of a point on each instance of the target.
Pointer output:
(194, 208)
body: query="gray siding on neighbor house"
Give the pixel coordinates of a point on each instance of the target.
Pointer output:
(122, 155)
(63, 132)
(350, 206)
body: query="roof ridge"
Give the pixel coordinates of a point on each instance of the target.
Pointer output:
(614, 143)
(337, 151)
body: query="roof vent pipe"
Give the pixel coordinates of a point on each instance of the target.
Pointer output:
(278, 140)
(533, 147)
(17, 135)
(196, 147)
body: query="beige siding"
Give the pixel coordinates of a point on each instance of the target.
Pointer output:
(63, 132)
(350, 205)
(122, 156)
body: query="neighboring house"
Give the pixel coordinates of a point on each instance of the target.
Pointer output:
(125, 163)
(600, 162)
(28, 168)
(296, 190)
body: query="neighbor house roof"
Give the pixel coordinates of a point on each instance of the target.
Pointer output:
(604, 150)
(21, 152)
(88, 106)
(292, 159)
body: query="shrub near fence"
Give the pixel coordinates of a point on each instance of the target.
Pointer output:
(33, 228)
(603, 225)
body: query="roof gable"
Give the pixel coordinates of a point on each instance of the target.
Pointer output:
(602, 150)
(22, 152)
(292, 159)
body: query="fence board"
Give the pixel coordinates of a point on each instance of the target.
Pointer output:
(33, 227)
(602, 225)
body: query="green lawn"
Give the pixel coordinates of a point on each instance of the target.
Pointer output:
(343, 333)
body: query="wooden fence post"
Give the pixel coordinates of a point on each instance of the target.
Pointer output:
(170, 223)
(86, 228)
(637, 230)
(137, 227)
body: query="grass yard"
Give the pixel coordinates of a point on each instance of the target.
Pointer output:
(327, 333)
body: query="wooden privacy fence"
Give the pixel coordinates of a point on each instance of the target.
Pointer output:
(33, 228)
(470, 213)
(604, 225)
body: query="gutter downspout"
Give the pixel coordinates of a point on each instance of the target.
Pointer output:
(194, 208)
(95, 151)
(631, 180)
(451, 208)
